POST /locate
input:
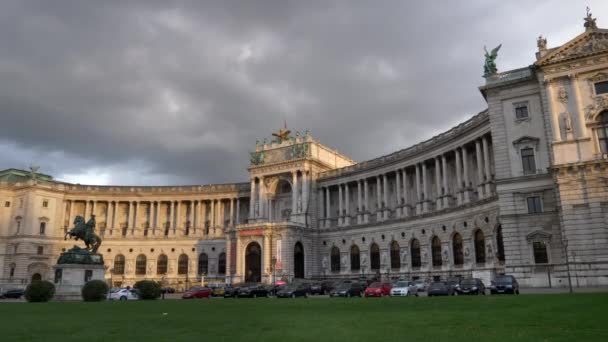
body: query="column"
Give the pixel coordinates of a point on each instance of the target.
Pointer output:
(231, 212)
(157, 217)
(406, 209)
(212, 215)
(486, 164)
(480, 179)
(266, 271)
(359, 203)
(438, 196)
(238, 211)
(458, 176)
(425, 190)
(385, 196)
(418, 191)
(130, 217)
(398, 193)
(86, 210)
(178, 220)
(70, 213)
(446, 197)
(170, 218)
(327, 208)
(557, 136)
(340, 205)
(582, 131)
(294, 193)
(94, 205)
(252, 199)
(378, 198)
(305, 192)
(204, 216)
(346, 204)
(261, 197)
(191, 225)
(465, 172)
(366, 201)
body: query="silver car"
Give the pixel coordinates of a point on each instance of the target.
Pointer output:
(421, 285)
(403, 289)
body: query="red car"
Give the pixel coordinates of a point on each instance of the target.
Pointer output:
(197, 292)
(378, 289)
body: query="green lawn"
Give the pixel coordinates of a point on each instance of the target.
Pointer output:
(552, 317)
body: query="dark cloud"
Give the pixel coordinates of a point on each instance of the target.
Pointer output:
(166, 92)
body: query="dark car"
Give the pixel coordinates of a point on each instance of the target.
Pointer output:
(253, 291)
(197, 292)
(472, 286)
(328, 285)
(14, 294)
(231, 291)
(440, 288)
(454, 283)
(353, 289)
(316, 288)
(504, 284)
(293, 291)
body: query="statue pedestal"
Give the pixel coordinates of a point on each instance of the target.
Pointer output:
(70, 278)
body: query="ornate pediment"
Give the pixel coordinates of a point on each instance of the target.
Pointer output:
(539, 235)
(586, 44)
(526, 139)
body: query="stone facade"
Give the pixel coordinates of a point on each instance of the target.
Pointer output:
(520, 188)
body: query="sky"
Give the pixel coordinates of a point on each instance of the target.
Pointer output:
(177, 92)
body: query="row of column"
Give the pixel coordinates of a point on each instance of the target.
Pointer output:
(259, 205)
(420, 191)
(197, 213)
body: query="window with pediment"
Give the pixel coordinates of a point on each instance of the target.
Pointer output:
(602, 132)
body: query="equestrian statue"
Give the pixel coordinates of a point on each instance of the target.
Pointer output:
(85, 232)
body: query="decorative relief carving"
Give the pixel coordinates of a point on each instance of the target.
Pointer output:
(599, 104)
(562, 95)
(593, 43)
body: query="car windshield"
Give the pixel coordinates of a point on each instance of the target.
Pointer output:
(469, 282)
(114, 290)
(401, 284)
(504, 280)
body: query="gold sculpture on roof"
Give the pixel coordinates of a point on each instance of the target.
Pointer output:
(282, 134)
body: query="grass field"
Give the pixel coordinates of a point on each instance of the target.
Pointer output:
(553, 317)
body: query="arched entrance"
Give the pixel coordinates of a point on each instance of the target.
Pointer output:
(298, 260)
(36, 277)
(253, 263)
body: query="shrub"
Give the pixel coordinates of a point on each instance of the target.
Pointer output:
(40, 291)
(148, 289)
(95, 291)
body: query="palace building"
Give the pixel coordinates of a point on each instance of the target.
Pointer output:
(520, 188)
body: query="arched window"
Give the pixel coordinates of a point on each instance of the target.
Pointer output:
(140, 265)
(119, 264)
(203, 264)
(221, 263)
(436, 251)
(540, 252)
(161, 264)
(480, 247)
(335, 259)
(355, 261)
(457, 249)
(602, 131)
(182, 264)
(415, 253)
(395, 257)
(500, 244)
(374, 256)
(42, 228)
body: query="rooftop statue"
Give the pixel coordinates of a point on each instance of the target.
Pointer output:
(85, 232)
(489, 68)
(590, 21)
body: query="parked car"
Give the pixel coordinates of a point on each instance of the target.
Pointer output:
(316, 288)
(197, 292)
(253, 291)
(14, 294)
(504, 284)
(231, 291)
(421, 285)
(454, 283)
(328, 285)
(404, 288)
(472, 286)
(293, 291)
(378, 289)
(440, 288)
(123, 294)
(353, 289)
(168, 290)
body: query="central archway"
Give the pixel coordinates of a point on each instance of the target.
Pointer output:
(253, 263)
(298, 260)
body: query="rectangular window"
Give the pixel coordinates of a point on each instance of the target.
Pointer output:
(601, 88)
(42, 228)
(45, 204)
(7, 204)
(40, 250)
(540, 252)
(521, 110)
(527, 161)
(534, 205)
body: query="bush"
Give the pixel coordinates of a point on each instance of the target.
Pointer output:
(95, 291)
(148, 289)
(40, 291)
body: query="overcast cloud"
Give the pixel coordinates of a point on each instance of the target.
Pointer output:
(177, 92)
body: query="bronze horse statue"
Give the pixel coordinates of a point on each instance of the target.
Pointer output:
(85, 232)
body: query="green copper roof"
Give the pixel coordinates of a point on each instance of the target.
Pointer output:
(16, 175)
